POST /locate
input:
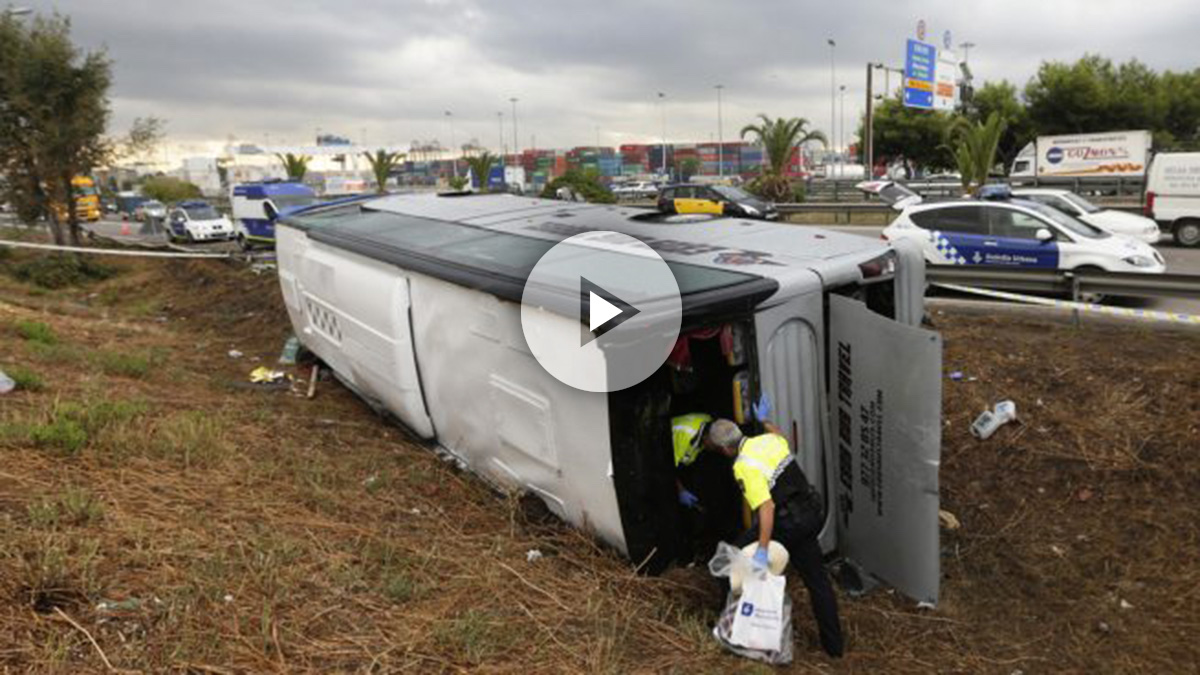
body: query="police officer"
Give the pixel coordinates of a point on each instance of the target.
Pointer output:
(787, 509)
(687, 436)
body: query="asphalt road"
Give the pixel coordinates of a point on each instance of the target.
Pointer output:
(1179, 261)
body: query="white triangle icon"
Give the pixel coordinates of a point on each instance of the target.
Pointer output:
(600, 311)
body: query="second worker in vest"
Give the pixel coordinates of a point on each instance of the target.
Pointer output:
(786, 509)
(704, 486)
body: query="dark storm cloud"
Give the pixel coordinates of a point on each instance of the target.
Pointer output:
(392, 68)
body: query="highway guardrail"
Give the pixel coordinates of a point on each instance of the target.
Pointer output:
(1074, 282)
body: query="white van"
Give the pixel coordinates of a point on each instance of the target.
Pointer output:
(1173, 195)
(414, 301)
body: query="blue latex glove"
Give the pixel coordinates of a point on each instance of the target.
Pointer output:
(688, 499)
(760, 559)
(762, 409)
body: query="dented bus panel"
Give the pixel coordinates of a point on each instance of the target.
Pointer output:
(414, 302)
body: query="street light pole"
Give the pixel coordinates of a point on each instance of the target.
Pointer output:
(453, 159)
(720, 136)
(500, 134)
(869, 126)
(966, 47)
(516, 138)
(842, 128)
(662, 109)
(832, 95)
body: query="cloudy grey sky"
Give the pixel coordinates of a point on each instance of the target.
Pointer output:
(391, 68)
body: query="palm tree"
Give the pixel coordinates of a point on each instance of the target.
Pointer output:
(294, 165)
(382, 162)
(481, 167)
(779, 138)
(973, 146)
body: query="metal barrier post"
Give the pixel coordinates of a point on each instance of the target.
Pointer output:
(1075, 321)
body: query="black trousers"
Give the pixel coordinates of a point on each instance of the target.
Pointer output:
(797, 527)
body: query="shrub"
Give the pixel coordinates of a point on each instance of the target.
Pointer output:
(61, 271)
(36, 331)
(61, 433)
(123, 364)
(586, 183)
(25, 378)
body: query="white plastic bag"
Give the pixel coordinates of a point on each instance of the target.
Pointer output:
(727, 561)
(758, 623)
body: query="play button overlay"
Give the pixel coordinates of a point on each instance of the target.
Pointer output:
(601, 311)
(605, 311)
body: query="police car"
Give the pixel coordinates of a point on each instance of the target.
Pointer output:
(197, 220)
(999, 230)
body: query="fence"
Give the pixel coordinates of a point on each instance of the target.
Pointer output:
(1102, 189)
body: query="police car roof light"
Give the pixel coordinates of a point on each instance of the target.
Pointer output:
(997, 192)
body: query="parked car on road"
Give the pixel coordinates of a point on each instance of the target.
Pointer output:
(1111, 220)
(150, 211)
(198, 221)
(718, 199)
(1009, 232)
(1173, 195)
(637, 190)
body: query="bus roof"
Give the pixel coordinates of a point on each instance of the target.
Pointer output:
(498, 239)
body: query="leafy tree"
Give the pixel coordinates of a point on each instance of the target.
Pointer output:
(481, 167)
(295, 166)
(687, 167)
(53, 112)
(382, 162)
(779, 137)
(458, 183)
(1002, 98)
(916, 135)
(167, 189)
(585, 183)
(974, 149)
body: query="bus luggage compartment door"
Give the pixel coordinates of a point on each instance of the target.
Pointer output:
(886, 412)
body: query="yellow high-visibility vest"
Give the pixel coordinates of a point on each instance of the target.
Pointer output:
(759, 463)
(685, 433)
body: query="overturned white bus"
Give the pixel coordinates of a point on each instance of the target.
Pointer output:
(414, 302)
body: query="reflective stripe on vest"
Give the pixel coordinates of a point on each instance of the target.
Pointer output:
(685, 436)
(768, 454)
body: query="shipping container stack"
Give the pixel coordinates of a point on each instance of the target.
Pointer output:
(750, 160)
(635, 159)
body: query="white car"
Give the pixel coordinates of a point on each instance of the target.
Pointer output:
(1009, 232)
(1117, 222)
(643, 189)
(198, 221)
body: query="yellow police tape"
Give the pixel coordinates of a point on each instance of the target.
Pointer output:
(1123, 312)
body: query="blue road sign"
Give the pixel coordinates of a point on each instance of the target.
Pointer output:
(920, 63)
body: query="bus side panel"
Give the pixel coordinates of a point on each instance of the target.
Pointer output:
(364, 336)
(502, 415)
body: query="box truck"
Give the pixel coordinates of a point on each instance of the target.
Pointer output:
(1173, 195)
(1112, 154)
(414, 302)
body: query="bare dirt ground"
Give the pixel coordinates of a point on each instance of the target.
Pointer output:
(159, 516)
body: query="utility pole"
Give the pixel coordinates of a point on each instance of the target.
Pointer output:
(720, 136)
(832, 92)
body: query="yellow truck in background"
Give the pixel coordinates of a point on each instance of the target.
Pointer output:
(87, 201)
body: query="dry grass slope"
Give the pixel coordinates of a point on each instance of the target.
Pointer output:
(189, 524)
